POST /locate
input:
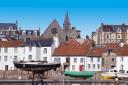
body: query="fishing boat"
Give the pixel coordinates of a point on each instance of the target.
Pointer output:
(82, 74)
(36, 66)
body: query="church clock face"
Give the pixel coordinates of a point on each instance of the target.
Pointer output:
(54, 31)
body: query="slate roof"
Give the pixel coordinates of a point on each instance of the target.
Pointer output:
(38, 43)
(114, 28)
(6, 26)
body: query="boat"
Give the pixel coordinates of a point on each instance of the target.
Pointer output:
(108, 75)
(79, 74)
(36, 66)
(112, 74)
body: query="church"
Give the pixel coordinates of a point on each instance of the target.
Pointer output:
(63, 33)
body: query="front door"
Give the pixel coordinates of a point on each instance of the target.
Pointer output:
(6, 67)
(81, 68)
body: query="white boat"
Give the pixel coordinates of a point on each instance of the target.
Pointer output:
(112, 74)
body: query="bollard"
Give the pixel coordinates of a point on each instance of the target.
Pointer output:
(116, 81)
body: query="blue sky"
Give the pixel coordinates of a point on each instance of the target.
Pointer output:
(85, 15)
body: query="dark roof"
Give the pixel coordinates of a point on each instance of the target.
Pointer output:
(38, 43)
(6, 26)
(114, 28)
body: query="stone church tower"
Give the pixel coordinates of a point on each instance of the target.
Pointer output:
(54, 29)
(67, 27)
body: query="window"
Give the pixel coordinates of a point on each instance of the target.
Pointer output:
(98, 59)
(15, 50)
(102, 61)
(119, 36)
(113, 59)
(89, 66)
(5, 58)
(98, 66)
(91, 59)
(45, 50)
(75, 60)
(122, 67)
(5, 50)
(57, 59)
(45, 58)
(112, 36)
(15, 58)
(107, 36)
(30, 49)
(73, 67)
(81, 60)
(29, 57)
(0, 58)
(94, 66)
(122, 59)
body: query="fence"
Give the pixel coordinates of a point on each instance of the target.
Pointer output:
(66, 82)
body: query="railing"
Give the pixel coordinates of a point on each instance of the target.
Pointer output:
(66, 82)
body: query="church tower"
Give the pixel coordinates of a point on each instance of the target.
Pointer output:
(67, 26)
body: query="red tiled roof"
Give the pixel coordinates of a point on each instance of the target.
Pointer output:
(111, 45)
(122, 51)
(73, 48)
(11, 43)
(95, 51)
(70, 48)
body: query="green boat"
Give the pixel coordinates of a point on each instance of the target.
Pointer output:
(77, 74)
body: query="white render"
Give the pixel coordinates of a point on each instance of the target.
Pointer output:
(23, 54)
(122, 63)
(76, 65)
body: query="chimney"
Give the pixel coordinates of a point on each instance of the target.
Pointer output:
(56, 41)
(121, 44)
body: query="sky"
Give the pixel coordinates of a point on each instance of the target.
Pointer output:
(85, 15)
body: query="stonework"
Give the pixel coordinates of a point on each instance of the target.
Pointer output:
(64, 34)
(111, 34)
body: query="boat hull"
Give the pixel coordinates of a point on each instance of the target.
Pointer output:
(36, 67)
(107, 76)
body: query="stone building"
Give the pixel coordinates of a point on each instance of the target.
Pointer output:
(8, 30)
(64, 34)
(111, 34)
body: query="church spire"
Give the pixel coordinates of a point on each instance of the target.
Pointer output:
(66, 25)
(66, 20)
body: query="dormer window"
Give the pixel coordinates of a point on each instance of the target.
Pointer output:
(23, 32)
(35, 33)
(119, 29)
(10, 28)
(29, 33)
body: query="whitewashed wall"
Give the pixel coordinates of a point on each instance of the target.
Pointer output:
(120, 61)
(76, 65)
